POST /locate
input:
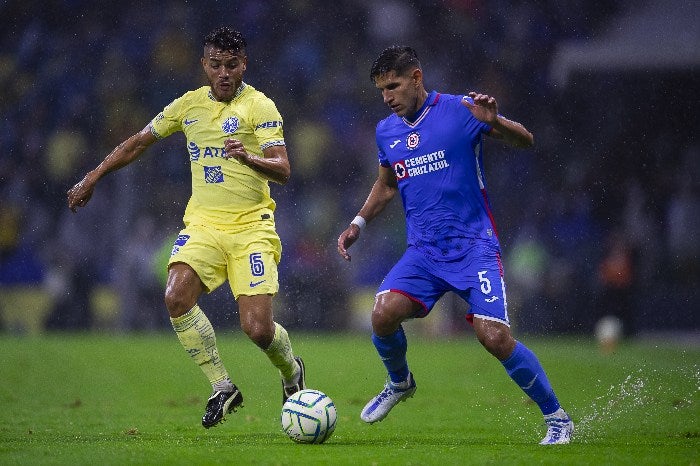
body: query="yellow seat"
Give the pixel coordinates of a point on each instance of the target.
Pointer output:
(24, 308)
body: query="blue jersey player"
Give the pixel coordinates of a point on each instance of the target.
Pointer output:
(430, 151)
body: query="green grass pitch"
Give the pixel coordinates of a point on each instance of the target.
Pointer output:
(114, 400)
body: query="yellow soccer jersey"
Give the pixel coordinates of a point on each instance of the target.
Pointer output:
(225, 193)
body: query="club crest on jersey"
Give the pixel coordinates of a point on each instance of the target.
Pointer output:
(230, 125)
(412, 140)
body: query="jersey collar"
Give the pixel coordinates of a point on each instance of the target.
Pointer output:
(431, 100)
(240, 89)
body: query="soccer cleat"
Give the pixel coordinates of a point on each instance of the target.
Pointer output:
(300, 385)
(560, 427)
(219, 405)
(379, 406)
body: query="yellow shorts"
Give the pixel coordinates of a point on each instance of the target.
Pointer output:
(247, 257)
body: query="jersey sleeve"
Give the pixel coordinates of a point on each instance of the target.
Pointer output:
(267, 124)
(383, 159)
(169, 120)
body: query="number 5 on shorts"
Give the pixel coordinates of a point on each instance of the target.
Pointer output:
(485, 282)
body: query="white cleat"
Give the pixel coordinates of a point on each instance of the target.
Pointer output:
(379, 406)
(560, 428)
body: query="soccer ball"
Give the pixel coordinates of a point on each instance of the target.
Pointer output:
(309, 416)
(608, 332)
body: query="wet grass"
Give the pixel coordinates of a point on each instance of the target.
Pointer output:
(104, 399)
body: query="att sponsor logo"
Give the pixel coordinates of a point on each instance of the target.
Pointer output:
(197, 152)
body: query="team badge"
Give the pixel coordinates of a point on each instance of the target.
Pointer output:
(400, 170)
(230, 125)
(213, 175)
(412, 140)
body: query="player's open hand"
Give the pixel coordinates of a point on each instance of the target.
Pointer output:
(346, 239)
(80, 194)
(484, 108)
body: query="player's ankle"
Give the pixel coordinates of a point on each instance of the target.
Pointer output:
(223, 385)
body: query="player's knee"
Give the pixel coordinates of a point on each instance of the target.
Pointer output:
(259, 333)
(385, 320)
(175, 303)
(182, 290)
(497, 340)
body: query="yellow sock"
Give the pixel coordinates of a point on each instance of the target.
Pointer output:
(282, 357)
(197, 337)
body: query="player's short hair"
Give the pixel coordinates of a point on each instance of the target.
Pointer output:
(397, 58)
(225, 38)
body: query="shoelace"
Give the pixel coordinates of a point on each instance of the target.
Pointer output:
(386, 393)
(556, 426)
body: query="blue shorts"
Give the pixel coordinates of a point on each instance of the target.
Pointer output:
(477, 278)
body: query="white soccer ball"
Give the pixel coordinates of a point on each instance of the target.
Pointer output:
(608, 332)
(309, 416)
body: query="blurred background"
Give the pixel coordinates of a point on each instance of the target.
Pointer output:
(600, 218)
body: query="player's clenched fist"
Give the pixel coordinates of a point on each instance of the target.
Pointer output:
(80, 194)
(233, 148)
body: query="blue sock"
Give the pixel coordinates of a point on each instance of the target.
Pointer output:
(525, 369)
(392, 349)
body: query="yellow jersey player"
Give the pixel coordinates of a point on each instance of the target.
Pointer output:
(236, 146)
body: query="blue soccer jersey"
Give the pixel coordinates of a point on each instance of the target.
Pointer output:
(437, 159)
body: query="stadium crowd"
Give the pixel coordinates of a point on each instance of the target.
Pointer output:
(601, 217)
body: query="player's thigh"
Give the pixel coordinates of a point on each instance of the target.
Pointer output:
(200, 248)
(409, 287)
(252, 262)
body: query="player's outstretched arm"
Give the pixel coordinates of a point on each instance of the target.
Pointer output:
(122, 155)
(485, 108)
(382, 193)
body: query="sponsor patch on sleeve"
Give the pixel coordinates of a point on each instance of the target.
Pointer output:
(179, 242)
